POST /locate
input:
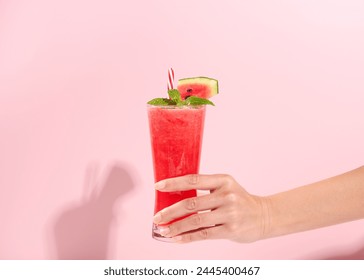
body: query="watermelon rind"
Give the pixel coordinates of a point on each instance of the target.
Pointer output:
(213, 84)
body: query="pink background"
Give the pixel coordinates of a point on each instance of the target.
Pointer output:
(76, 176)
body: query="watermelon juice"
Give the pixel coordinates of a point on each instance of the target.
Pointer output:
(176, 139)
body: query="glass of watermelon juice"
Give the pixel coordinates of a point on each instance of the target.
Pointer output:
(176, 139)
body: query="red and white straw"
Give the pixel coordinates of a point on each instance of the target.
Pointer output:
(170, 79)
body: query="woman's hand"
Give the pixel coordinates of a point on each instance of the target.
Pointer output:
(228, 211)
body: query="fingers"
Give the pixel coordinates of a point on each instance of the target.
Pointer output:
(209, 216)
(193, 181)
(194, 222)
(216, 232)
(187, 206)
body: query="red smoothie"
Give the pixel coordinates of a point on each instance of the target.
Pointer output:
(176, 138)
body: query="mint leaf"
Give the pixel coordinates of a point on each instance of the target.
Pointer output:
(161, 101)
(175, 96)
(194, 100)
(175, 99)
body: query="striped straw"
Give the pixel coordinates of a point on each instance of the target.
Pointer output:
(170, 79)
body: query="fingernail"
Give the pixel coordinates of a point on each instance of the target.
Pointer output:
(164, 230)
(160, 185)
(157, 218)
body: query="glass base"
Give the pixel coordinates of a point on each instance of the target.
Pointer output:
(157, 236)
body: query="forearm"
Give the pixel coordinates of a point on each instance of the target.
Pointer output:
(335, 200)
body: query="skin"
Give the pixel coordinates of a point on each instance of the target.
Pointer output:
(230, 212)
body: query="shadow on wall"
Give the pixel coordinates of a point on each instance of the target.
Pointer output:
(82, 230)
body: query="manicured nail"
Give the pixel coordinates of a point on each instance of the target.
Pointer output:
(159, 185)
(164, 230)
(157, 218)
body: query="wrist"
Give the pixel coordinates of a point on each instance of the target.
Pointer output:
(264, 225)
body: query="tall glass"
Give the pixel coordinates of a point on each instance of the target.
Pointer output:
(176, 138)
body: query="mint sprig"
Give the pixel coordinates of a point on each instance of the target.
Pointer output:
(194, 100)
(161, 101)
(175, 96)
(176, 100)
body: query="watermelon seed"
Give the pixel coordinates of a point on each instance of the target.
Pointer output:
(189, 90)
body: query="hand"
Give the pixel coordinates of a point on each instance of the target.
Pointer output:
(232, 213)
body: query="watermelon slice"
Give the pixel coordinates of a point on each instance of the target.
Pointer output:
(199, 86)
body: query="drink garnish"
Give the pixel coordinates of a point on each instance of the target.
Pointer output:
(176, 100)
